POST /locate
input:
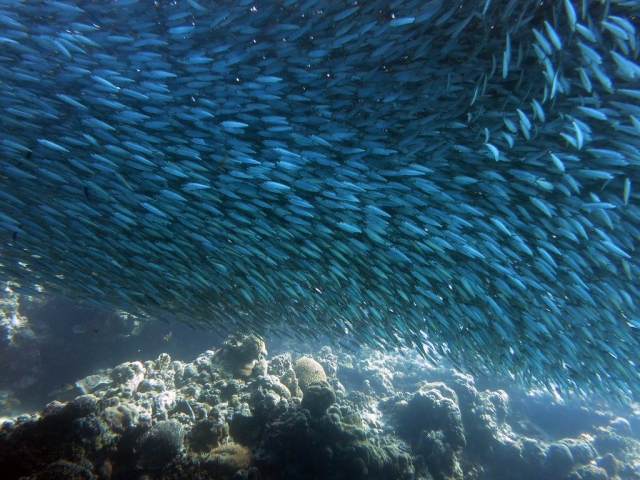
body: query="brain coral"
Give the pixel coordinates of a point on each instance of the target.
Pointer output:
(308, 371)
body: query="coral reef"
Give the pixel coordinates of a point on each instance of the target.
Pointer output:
(235, 414)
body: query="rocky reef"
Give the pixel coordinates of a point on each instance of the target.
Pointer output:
(236, 413)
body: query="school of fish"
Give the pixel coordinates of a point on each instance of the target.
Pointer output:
(462, 173)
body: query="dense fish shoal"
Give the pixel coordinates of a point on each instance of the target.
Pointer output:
(458, 172)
